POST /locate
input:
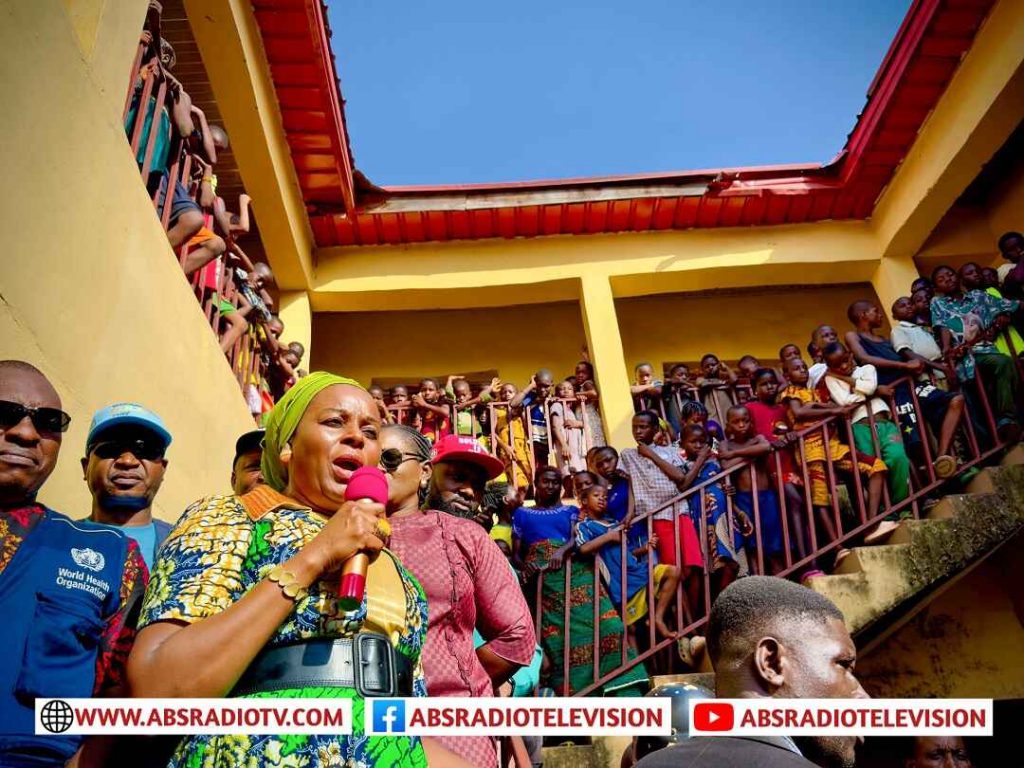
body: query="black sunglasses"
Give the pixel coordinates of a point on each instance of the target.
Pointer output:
(44, 419)
(144, 450)
(392, 458)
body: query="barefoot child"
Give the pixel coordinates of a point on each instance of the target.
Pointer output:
(858, 386)
(656, 477)
(770, 421)
(596, 534)
(805, 408)
(742, 443)
(943, 410)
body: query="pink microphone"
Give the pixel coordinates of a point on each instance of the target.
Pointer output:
(366, 484)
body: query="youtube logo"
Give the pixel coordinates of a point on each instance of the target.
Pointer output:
(712, 716)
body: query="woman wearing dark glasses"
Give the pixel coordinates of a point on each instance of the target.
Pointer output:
(434, 496)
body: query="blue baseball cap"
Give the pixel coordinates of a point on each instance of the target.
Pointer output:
(122, 414)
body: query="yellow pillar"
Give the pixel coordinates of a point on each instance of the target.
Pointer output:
(892, 279)
(297, 317)
(605, 344)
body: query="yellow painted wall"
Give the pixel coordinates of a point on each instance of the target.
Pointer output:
(90, 291)
(494, 272)
(963, 235)
(1006, 206)
(660, 329)
(514, 340)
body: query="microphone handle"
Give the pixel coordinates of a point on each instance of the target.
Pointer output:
(353, 582)
(353, 572)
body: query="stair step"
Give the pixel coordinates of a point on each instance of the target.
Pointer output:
(905, 533)
(572, 756)
(873, 581)
(1014, 456)
(983, 482)
(840, 583)
(863, 559)
(945, 509)
(849, 564)
(702, 679)
(949, 506)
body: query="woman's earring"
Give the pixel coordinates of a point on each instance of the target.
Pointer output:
(286, 455)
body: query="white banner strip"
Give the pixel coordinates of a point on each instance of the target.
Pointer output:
(840, 717)
(151, 717)
(458, 716)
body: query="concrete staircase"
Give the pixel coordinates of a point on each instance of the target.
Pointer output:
(959, 530)
(873, 581)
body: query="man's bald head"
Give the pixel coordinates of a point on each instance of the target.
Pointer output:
(27, 454)
(20, 367)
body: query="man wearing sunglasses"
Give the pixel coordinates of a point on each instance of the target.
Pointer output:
(67, 589)
(124, 467)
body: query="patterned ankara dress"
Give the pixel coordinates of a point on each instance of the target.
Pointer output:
(222, 547)
(541, 531)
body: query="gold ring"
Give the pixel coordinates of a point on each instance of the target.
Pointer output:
(383, 529)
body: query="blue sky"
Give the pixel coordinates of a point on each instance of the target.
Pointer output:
(454, 91)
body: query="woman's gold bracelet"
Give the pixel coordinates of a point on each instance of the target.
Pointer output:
(288, 582)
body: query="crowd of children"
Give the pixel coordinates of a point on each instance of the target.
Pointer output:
(758, 469)
(542, 423)
(736, 469)
(176, 150)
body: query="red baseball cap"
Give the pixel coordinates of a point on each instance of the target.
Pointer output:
(459, 448)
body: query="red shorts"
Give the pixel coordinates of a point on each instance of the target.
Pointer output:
(688, 542)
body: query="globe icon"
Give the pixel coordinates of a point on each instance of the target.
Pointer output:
(56, 716)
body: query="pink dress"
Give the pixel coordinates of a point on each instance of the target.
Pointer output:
(469, 585)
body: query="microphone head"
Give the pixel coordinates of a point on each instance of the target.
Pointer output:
(367, 483)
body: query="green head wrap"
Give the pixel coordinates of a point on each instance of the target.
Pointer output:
(282, 421)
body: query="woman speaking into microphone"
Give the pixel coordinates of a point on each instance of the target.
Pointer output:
(243, 599)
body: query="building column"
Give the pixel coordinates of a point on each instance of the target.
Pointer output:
(297, 316)
(892, 279)
(601, 325)
(231, 47)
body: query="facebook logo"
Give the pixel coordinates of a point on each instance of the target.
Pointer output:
(388, 716)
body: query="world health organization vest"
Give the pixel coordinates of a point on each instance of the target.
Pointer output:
(56, 595)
